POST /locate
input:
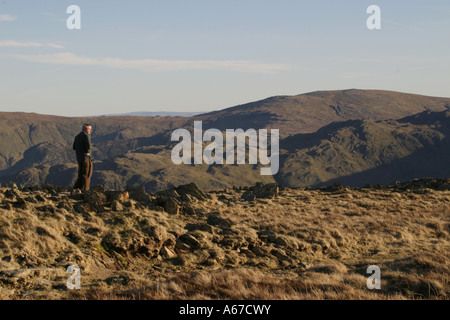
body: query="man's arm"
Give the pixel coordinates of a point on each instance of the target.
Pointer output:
(86, 146)
(75, 144)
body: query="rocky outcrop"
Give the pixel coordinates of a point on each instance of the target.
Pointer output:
(260, 190)
(115, 234)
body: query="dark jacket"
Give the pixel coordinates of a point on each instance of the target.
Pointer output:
(82, 145)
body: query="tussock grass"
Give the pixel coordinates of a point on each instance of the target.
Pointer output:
(302, 244)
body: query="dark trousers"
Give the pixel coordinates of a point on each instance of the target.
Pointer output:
(84, 175)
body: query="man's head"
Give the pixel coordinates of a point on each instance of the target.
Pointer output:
(87, 128)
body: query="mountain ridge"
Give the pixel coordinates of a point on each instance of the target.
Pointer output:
(318, 130)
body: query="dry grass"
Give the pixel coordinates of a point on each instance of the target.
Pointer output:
(303, 244)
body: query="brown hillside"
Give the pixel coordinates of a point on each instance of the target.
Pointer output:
(258, 242)
(37, 149)
(360, 152)
(21, 131)
(309, 112)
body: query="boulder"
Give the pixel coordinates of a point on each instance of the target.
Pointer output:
(280, 255)
(261, 191)
(96, 200)
(21, 203)
(76, 194)
(12, 193)
(215, 219)
(139, 195)
(172, 206)
(120, 196)
(167, 253)
(116, 205)
(189, 240)
(189, 191)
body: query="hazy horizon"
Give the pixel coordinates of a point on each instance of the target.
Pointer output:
(202, 56)
(193, 113)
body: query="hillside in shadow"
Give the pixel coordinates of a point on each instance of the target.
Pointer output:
(358, 136)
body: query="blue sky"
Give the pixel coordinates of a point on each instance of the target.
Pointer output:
(199, 55)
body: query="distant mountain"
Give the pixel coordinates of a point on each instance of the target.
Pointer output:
(353, 152)
(309, 112)
(353, 136)
(152, 114)
(359, 152)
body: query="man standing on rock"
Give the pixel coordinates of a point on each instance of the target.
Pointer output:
(82, 146)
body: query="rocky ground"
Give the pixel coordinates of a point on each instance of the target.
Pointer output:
(259, 242)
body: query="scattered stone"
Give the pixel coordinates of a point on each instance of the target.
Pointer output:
(190, 240)
(214, 219)
(179, 261)
(172, 206)
(21, 203)
(181, 246)
(138, 195)
(191, 210)
(170, 241)
(167, 253)
(117, 280)
(80, 208)
(267, 236)
(50, 188)
(304, 265)
(12, 193)
(211, 240)
(65, 206)
(178, 200)
(260, 251)
(280, 255)
(112, 242)
(73, 237)
(281, 241)
(116, 205)
(93, 231)
(423, 191)
(226, 199)
(130, 204)
(287, 242)
(96, 200)
(191, 189)
(31, 199)
(261, 191)
(248, 253)
(60, 286)
(120, 196)
(248, 196)
(171, 193)
(46, 209)
(333, 188)
(76, 194)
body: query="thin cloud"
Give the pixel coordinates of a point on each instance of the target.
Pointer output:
(153, 65)
(28, 44)
(7, 17)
